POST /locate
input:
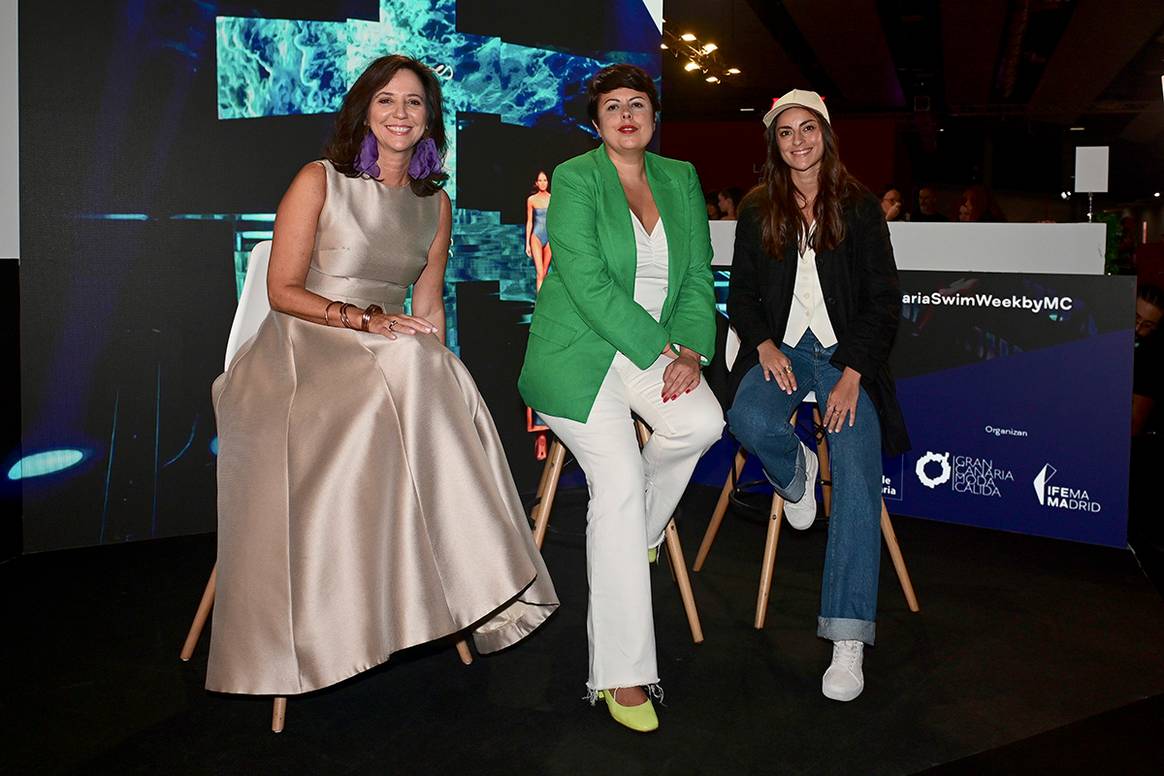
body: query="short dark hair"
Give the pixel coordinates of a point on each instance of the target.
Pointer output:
(614, 77)
(350, 126)
(1152, 294)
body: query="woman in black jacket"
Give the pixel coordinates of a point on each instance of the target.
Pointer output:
(815, 300)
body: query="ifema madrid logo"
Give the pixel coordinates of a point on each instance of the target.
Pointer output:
(965, 473)
(1061, 496)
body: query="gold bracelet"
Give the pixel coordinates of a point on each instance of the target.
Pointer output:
(344, 314)
(327, 311)
(369, 311)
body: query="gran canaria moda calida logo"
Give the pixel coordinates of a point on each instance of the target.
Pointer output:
(1062, 496)
(965, 473)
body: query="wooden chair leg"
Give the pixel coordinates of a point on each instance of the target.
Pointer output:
(679, 569)
(552, 473)
(278, 714)
(204, 607)
(775, 518)
(463, 651)
(825, 471)
(898, 560)
(544, 478)
(720, 509)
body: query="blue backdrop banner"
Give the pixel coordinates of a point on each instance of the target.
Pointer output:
(1017, 391)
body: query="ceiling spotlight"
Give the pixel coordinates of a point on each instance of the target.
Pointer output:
(1065, 194)
(1156, 194)
(747, 110)
(1076, 129)
(695, 55)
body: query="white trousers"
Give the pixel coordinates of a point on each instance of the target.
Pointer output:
(633, 494)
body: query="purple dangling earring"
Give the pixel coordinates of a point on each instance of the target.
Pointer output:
(368, 156)
(426, 160)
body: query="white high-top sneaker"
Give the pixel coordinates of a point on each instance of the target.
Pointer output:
(801, 514)
(844, 680)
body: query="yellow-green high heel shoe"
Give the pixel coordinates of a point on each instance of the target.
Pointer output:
(652, 554)
(641, 718)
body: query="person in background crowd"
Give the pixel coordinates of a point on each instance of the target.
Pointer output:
(712, 202)
(891, 203)
(815, 298)
(978, 207)
(729, 202)
(927, 206)
(624, 324)
(1148, 371)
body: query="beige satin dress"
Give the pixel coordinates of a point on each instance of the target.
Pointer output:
(364, 500)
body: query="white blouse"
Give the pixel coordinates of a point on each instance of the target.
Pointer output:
(651, 267)
(808, 307)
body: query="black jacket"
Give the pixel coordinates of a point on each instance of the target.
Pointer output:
(861, 294)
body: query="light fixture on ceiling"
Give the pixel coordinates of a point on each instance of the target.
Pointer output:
(747, 110)
(1076, 129)
(1065, 194)
(1156, 195)
(699, 55)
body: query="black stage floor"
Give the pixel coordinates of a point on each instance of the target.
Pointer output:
(1029, 655)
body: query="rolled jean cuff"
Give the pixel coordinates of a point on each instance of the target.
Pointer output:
(845, 629)
(794, 491)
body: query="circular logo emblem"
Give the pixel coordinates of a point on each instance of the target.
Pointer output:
(942, 459)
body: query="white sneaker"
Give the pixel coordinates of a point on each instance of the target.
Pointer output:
(801, 514)
(844, 680)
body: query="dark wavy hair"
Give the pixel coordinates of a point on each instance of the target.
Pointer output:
(619, 76)
(534, 189)
(351, 121)
(780, 217)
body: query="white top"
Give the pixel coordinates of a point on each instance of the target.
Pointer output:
(808, 307)
(651, 267)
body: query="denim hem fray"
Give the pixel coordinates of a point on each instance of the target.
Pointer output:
(845, 629)
(795, 490)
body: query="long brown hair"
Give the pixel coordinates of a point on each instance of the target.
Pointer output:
(775, 196)
(351, 121)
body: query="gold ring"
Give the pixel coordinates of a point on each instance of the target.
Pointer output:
(392, 324)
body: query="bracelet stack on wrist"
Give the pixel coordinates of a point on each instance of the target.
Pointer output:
(365, 315)
(369, 311)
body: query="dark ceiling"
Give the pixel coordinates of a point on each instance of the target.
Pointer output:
(985, 73)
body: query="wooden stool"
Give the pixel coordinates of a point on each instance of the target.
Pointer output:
(776, 516)
(279, 709)
(548, 488)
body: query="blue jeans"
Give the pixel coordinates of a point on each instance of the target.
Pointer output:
(759, 420)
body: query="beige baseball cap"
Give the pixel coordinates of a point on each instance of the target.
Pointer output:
(802, 98)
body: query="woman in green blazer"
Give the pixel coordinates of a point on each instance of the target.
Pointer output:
(623, 323)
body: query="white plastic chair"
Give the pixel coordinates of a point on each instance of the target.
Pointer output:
(253, 306)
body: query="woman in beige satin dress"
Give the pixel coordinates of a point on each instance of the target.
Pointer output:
(365, 504)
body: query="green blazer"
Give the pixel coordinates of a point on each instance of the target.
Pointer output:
(586, 311)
